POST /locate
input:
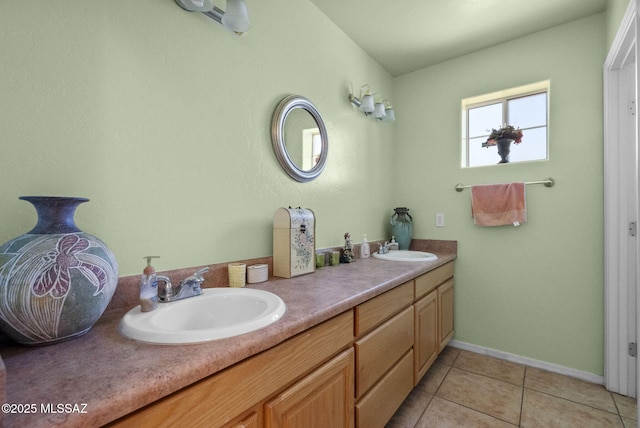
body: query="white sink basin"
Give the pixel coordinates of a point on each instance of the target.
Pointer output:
(407, 256)
(216, 314)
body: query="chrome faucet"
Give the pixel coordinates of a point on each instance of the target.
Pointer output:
(188, 287)
(383, 249)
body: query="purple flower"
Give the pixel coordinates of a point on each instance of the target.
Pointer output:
(56, 278)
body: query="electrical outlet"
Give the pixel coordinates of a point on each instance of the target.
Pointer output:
(440, 220)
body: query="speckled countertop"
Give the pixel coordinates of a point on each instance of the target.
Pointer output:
(103, 376)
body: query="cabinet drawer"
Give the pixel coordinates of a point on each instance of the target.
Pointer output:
(378, 405)
(430, 280)
(375, 311)
(379, 350)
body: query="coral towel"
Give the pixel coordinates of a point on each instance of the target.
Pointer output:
(498, 204)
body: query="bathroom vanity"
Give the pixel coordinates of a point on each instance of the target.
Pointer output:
(354, 341)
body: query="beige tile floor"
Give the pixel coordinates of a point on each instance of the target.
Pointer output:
(464, 389)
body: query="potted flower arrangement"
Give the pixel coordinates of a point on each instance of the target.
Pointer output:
(503, 137)
(509, 132)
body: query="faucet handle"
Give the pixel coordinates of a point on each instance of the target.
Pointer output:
(196, 277)
(201, 271)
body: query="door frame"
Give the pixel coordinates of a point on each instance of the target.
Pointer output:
(617, 370)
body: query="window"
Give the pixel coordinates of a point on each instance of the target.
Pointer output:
(525, 107)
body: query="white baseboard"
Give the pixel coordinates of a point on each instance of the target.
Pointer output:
(555, 368)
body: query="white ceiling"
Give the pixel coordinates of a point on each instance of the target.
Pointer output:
(407, 35)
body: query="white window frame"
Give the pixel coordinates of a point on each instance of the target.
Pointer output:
(500, 97)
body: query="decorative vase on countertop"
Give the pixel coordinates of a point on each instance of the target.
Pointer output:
(402, 227)
(55, 280)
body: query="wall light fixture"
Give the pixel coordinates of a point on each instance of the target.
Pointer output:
(236, 17)
(372, 105)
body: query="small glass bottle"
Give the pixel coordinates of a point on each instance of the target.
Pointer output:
(365, 249)
(149, 287)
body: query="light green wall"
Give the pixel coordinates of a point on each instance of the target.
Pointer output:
(535, 290)
(615, 13)
(162, 118)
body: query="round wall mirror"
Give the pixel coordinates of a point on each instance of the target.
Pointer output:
(299, 138)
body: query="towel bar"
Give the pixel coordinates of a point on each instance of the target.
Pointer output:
(549, 182)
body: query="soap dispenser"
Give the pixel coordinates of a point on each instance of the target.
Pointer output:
(393, 245)
(149, 287)
(365, 249)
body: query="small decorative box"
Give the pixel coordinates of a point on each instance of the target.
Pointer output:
(257, 273)
(294, 243)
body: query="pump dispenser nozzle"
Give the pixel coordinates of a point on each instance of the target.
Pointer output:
(148, 270)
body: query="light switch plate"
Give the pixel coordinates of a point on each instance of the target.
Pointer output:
(440, 220)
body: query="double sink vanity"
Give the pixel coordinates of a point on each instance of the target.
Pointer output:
(353, 342)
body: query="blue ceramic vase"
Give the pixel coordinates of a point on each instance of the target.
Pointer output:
(55, 280)
(402, 227)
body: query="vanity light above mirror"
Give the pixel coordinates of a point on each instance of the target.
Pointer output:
(372, 105)
(235, 18)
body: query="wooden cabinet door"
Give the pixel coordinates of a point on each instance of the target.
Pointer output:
(445, 309)
(426, 342)
(324, 398)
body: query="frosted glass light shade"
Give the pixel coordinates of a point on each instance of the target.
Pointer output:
(366, 104)
(236, 16)
(390, 115)
(379, 110)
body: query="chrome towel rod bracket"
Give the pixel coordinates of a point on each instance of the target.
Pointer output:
(549, 182)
